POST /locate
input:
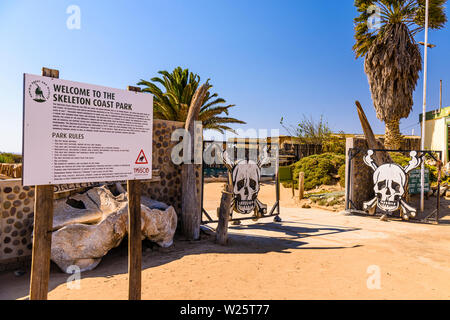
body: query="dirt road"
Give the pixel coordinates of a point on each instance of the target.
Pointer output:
(312, 254)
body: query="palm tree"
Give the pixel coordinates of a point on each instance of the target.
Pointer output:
(174, 103)
(392, 57)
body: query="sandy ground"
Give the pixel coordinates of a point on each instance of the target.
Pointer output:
(312, 254)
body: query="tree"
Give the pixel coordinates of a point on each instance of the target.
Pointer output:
(309, 130)
(317, 132)
(173, 101)
(392, 56)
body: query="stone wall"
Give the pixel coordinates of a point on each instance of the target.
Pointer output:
(362, 176)
(17, 210)
(168, 190)
(17, 202)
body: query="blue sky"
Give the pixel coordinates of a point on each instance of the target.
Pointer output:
(272, 59)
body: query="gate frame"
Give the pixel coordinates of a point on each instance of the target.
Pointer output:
(350, 207)
(276, 179)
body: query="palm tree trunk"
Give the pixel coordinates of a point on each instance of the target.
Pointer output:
(392, 137)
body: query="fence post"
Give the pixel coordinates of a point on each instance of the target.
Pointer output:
(224, 215)
(291, 169)
(301, 185)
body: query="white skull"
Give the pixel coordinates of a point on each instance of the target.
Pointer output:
(389, 180)
(246, 175)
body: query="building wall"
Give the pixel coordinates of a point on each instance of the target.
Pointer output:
(436, 126)
(436, 136)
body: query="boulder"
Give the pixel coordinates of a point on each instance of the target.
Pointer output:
(84, 236)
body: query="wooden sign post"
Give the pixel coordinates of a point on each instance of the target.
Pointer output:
(42, 234)
(43, 211)
(134, 235)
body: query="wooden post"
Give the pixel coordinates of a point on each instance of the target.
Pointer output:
(301, 185)
(42, 233)
(134, 240)
(438, 206)
(134, 235)
(190, 207)
(224, 215)
(292, 180)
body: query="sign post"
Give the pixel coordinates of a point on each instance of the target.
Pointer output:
(81, 133)
(42, 234)
(134, 232)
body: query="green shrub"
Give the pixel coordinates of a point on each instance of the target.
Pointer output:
(400, 158)
(319, 169)
(334, 144)
(341, 173)
(10, 158)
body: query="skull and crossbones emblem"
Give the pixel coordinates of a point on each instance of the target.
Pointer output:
(390, 181)
(245, 179)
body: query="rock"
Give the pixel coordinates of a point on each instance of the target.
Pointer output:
(84, 236)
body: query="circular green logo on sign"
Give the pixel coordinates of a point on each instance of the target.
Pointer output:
(39, 91)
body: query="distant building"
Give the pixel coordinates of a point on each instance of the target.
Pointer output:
(437, 131)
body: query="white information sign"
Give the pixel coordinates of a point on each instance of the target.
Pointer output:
(75, 133)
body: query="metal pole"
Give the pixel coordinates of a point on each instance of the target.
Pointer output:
(422, 171)
(440, 97)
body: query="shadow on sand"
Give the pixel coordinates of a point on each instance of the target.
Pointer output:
(291, 237)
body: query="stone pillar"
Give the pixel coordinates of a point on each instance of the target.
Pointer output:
(361, 188)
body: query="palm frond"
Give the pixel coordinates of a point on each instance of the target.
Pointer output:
(173, 93)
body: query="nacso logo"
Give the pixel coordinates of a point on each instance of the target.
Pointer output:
(141, 170)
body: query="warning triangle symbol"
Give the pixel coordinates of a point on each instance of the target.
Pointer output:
(141, 159)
